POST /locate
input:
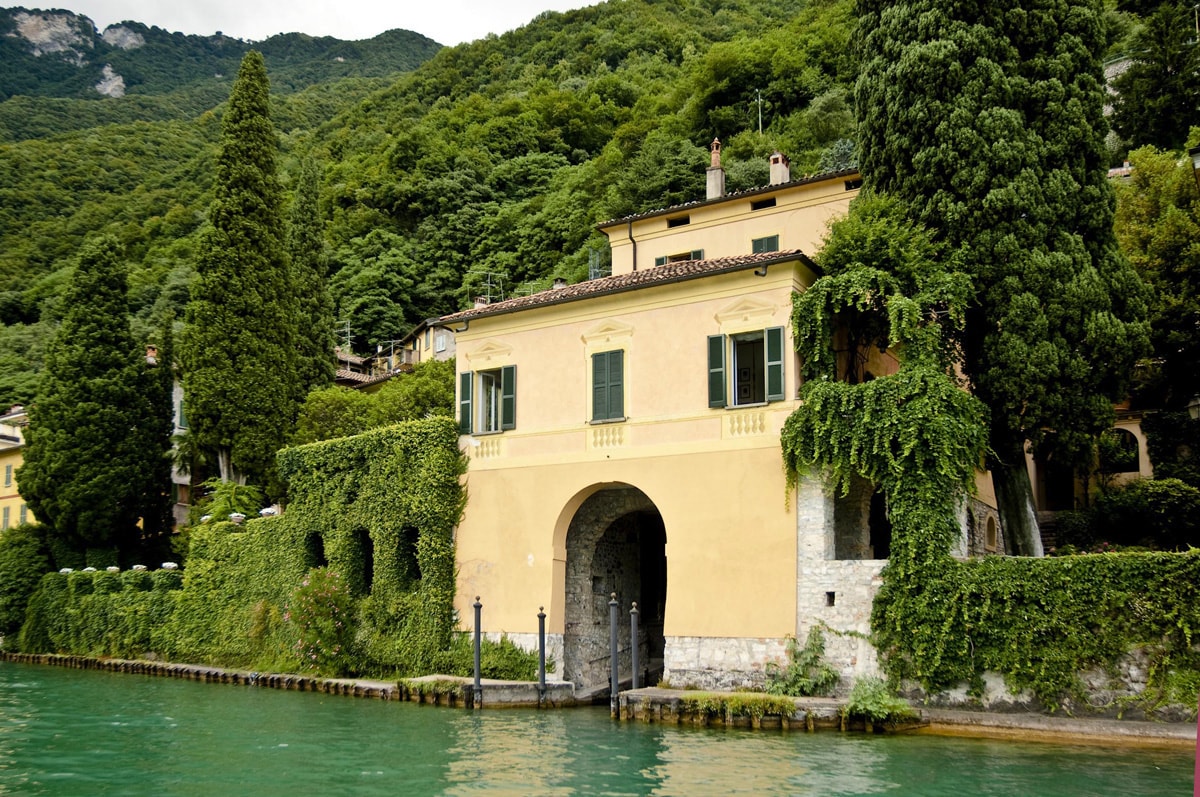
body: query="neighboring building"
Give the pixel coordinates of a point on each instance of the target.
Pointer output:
(13, 510)
(429, 340)
(623, 436)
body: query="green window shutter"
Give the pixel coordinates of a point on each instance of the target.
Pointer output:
(608, 385)
(774, 336)
(600, 386)
(508, 397)
(464, 402)
(616, 384)
(697, 254)
(660, 261)
(716, 371)
(768, 244)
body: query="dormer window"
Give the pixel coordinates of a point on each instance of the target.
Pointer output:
(678, 221)
(695, 254)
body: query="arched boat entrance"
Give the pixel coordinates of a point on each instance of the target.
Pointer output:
(616, 542)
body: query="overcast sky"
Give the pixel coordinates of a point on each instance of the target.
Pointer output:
(445, 21)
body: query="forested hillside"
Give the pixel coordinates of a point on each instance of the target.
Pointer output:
(485, 169)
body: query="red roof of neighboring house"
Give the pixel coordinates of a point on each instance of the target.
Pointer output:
(658, 275)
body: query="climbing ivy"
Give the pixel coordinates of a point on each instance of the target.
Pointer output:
(377, 509)
(919, 436)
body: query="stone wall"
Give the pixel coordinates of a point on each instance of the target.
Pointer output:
(720, 662)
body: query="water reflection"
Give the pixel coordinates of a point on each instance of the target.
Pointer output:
(73, 732)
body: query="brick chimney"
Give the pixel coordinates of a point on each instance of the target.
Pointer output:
(781, 169)
(716, 174)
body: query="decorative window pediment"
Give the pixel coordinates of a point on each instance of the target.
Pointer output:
(745, 313)
(488, 352)
(607, 332)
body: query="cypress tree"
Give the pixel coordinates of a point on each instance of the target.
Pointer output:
(310, 271)
(157, 515)
(986, 120)
(91, 458)
(238, 347)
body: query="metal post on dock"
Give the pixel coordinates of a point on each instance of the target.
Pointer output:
(614, 680)
(633, 623)
(478, 701)
(541, 655)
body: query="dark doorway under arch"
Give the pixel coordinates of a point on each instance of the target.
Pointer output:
(616, 542)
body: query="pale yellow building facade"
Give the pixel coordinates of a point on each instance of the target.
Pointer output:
(624, 437)
(13, 510)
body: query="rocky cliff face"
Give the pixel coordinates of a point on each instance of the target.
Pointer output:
(72, 38)
(49, 33)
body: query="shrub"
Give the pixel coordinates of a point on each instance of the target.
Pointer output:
(321, 609)
(807, 672)
(23, 561)
(871, 699)
(1155, 513)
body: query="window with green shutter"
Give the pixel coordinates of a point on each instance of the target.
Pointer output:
(608, 386)
(746, 369)
(487, 400)
(768, 244)
(695, 254)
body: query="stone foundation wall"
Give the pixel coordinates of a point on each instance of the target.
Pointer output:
(836, 596)
(720, 662)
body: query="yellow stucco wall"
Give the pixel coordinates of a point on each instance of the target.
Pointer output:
(715, 475)
(10, 499)
(800, 218)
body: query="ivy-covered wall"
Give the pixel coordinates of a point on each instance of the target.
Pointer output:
(1042, 623)
(378, 509)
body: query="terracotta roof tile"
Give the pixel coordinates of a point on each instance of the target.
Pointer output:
(658, 275)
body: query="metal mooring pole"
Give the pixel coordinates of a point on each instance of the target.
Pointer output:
(614, 685)
(478, 701)
(633, 622)
(541, 654)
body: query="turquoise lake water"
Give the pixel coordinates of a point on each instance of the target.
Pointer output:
(73, 732)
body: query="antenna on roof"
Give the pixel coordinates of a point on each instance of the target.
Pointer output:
(343, 333)
(758, 99)
(493, 281)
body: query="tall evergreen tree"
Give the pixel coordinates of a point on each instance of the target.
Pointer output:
(92, 457)
(986, 120)
(157, 514)
(238, 347)
(310, 274)
(1158, 96)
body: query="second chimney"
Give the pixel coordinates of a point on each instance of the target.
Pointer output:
(716, 174)
(781, 169)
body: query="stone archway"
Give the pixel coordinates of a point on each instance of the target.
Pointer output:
(616, 542)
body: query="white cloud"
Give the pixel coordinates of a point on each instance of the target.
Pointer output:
(447, 22)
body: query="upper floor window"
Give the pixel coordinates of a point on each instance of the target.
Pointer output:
(439, 341)
(746, 368)
(768, 244)
(487, 400)
(24, 514)
(695, 254)
(763, 204)
(4, 523)
(608, 386)
(678, 221)
(8, 471)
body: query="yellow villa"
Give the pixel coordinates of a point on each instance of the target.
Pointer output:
(623, 436)
(13, 511)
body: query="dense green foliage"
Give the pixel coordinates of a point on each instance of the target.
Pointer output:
(310, 276)
(168, 63)
(871, 699)
(373, 513)
(23, 561)
(1158, 227)
(986, 120)
(98, 430)
(1157, 100)
(338, 411)
(239, 345)
(1042, 622)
